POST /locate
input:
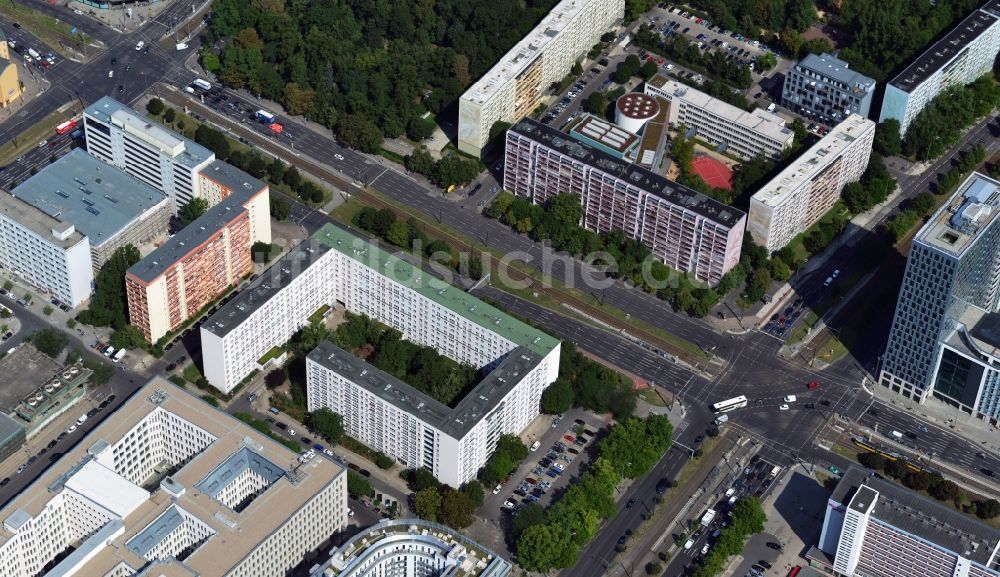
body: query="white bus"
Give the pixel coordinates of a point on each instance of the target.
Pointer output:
(726, 406)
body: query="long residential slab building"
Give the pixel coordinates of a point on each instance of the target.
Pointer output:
(515, 85)
(809, 187)
(337, 268)
(683, 228)
(875, 527)
(962, 55)
(203, 259)
(169, 486)
(145, 149)
(733, 130)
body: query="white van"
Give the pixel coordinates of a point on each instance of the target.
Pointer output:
(81, 420)
(721, 419)
(896, 435)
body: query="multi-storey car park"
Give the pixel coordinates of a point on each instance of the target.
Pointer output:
(945, 336)
(803, 192)
(148, 151)
(412, 548)
(335, 267)
(683, 228)
(203, 259)
(875, 527)
(825, 89)
(514, 87)
(744, 134)
(169, 486)
(964, 54)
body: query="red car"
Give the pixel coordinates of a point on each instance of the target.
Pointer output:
(569, 438)
(813, 385)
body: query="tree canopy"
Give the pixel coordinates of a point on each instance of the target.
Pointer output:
(108, 306)
(192, 210)
(366, 69)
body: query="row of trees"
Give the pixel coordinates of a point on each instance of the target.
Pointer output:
(508, 455)
(108, 305)
(939, 125)
(586, 383)
(558, 222)
(444, 504)
(258, 165)
(452, 169)
(420, 366)
(409, 235)
(875, 185)
(935, 485)
(747, 518)
(750, 16)
(912, 214)
(552, 538)
(361, 68)
(713, 63)
(632, 66)
(877, 48)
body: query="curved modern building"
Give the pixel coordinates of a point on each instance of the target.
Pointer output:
(634, 109)
(412, 548)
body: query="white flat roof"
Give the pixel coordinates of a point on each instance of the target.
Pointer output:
(760, 121)
(818, 157)
(107, 489)
(525, 51)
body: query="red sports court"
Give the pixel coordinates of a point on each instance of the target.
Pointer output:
(716, 174)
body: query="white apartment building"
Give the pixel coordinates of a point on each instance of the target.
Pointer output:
(683, 228)
(168, 485)
(809, 187)
(148, 151)
(961, 56)
(876, 527)
(48, 253)
(412, 548)
(111, 208)
(515, 85)
(334, 266)
(732, 129)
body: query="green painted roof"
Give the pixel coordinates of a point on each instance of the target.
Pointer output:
(435, 289)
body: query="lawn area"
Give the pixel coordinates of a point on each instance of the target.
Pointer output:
(653, 397)
(802, 330)
(191, 373)
(50, 30)
(346, 211)
(832, 350)
(274, 353)
(31, 136)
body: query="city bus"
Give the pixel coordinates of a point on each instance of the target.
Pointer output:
(729, 405)
(65, 127)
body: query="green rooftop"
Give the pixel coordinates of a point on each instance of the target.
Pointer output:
(485, 315)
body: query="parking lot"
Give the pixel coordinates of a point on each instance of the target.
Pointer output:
(549, 465)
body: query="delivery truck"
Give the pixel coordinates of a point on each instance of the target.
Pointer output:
(266, 117)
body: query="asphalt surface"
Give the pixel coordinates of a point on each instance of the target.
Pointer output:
(752, 366)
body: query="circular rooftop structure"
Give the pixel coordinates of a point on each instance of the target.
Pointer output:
(412, 548)
(634, 109)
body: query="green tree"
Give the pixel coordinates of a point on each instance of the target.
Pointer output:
(51, 342)
(108, 303)
(557, 397)
(456, 508)
(360, 133)
(654, 568)
(528, 516)
(154, 106)
(648, 70)
(419, 129)
(766, 62)
(383, 461)
(280, 208)
(887, 137)
(358, 486)
(474, 490)
(192, 210)
(399, 234)
(988, 509)
(499, 128)
(327, 424)
(427, 503)
(576, 69)
(543, 547)
(127, 337)
(263, 252)
(169, 115)
(944, 490)
(597, 103)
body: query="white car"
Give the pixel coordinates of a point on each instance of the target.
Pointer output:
(790, 399)
(78, 12)
(835, 274)
(783, 408)
(70, 429)
(291, 432)
(704, 549)
(828, 281)
(328, 452)
(350, 512)
(140, 45)
(339, 156)
(43, 144)
(508, 504)
(496, 490)
(689, 543)
(111, 73)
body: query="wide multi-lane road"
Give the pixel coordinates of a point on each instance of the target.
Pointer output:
(751, 365)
